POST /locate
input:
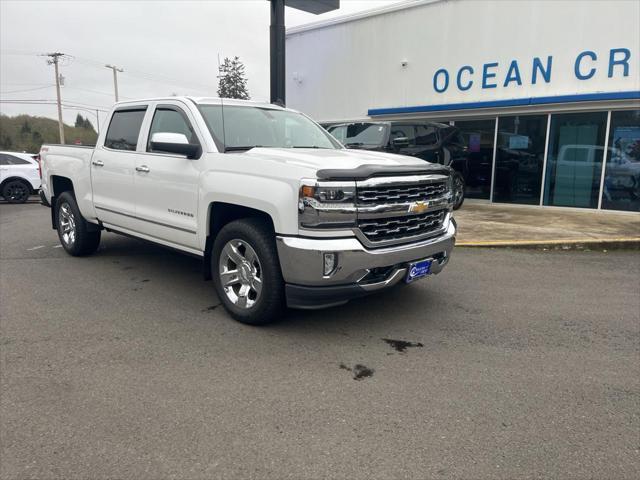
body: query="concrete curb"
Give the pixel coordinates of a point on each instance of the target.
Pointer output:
(629, 243)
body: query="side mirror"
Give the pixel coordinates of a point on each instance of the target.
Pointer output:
(400, 142)
(174, 143)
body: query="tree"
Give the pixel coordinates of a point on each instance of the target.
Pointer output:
(6, 143)
(82, 122)
(26, 128)
(233, 83)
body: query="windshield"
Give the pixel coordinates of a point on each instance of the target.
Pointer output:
(359, 134)
(243, 128)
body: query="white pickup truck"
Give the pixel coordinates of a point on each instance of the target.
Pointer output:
(281, 213)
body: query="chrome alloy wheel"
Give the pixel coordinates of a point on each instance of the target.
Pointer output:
(67, 224)
(240, 273)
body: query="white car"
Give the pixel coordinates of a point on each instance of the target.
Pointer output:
(280, 212)
(19, 176)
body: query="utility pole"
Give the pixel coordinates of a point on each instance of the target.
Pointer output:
(53, 59)
(115, 77)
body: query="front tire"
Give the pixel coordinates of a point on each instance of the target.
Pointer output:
(246, 272)
(76, 235)
(16, 191)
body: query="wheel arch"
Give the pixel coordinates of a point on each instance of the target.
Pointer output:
(220, 214)
(59, 185)
(14, 178)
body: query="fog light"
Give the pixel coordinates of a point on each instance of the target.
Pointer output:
(330, 263)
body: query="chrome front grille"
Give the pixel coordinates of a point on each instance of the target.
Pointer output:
(393, 210)
(400, 228)
(417, 192)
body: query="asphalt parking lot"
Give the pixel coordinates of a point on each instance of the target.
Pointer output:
(521, 364)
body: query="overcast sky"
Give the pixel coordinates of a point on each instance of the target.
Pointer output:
(164, 47)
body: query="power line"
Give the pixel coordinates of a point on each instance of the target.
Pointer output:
(42, 87)
(53, 102)
(150, 76)
(18, 52)
(94, 91)
(24, 84)
(27, 90)
(153, 77)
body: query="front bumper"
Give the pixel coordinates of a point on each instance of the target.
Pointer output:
(360, 271)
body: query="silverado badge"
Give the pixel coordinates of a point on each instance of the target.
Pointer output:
(418, 207)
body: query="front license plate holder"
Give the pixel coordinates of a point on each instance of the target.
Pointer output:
(419, 269)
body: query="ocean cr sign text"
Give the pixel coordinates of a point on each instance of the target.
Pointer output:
(585, 67)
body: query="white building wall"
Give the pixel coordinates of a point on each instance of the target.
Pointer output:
(341, 69)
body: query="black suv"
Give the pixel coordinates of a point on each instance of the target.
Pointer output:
(430, 141)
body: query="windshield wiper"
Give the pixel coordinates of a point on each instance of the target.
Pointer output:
(240, 148)
(311, 146)
(354, 144)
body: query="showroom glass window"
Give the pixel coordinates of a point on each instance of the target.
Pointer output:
(574, 163)
(621, 189)
(520, 159)
(478, 156)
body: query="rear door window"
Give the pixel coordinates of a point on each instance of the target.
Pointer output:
(124, 129)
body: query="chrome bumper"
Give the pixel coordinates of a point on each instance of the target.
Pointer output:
(360, 270)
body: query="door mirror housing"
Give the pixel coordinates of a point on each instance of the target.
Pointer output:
(400, 142)
(174, 143)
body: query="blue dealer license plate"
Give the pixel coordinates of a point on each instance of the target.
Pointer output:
(418, 270)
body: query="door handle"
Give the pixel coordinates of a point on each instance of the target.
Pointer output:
(143, 168)
(98, 163)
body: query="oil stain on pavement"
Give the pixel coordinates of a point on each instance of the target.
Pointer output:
(359, 371)
(401, 345)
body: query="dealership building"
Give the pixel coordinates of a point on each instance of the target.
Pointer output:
(546, 94)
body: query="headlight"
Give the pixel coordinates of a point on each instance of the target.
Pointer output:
(327, 204)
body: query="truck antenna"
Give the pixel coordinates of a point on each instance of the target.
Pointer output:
(224, 137)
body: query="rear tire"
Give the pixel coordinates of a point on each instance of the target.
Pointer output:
(76, 234)
(246, 272)
(458, 190)
(16, 191)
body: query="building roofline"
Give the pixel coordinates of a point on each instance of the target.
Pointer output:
(404, 5)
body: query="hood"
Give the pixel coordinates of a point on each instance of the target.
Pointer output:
(342, 163)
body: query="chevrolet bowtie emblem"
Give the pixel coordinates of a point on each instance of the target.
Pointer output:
(418, 207)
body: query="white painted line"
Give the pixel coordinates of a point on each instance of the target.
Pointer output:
(35, 248)
(57, 246)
